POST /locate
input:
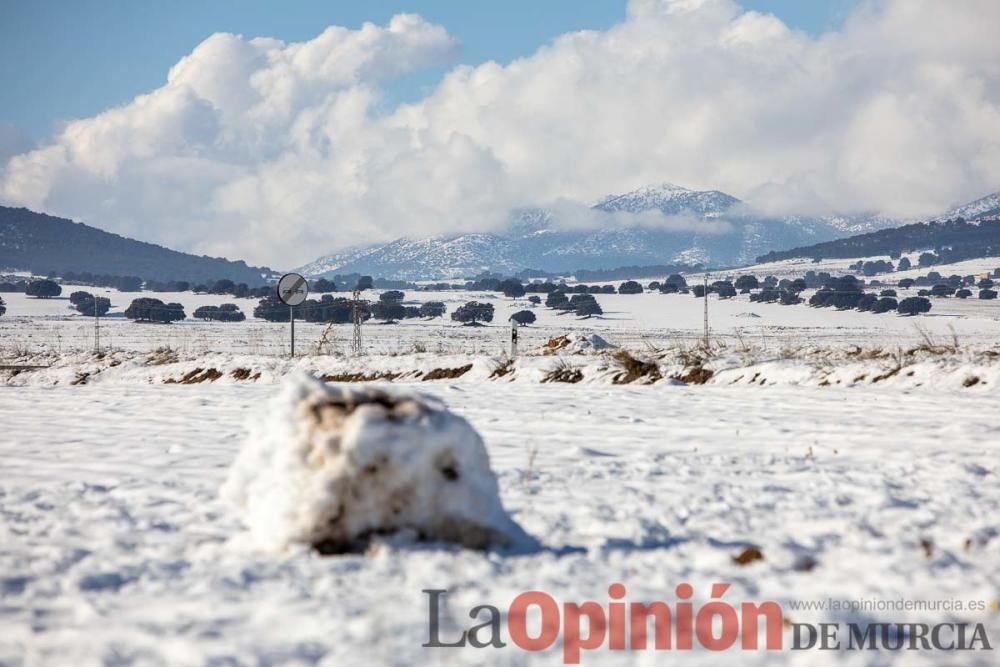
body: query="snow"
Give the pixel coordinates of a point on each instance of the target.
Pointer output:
(331, 466)
(115, 547)
(988, 204)
(796, 268)
(39, 326)
(857, 452)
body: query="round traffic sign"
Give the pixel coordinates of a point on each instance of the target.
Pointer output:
(292, 289)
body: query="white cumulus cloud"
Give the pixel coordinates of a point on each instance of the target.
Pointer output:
(278, 152)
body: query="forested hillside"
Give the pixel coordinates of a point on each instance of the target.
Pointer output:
(42, 244)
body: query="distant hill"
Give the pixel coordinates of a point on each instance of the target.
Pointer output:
(42, 243)
(952, 241)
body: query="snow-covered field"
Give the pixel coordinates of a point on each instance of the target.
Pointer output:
(114, 547)
(36, 326)
(858, 454)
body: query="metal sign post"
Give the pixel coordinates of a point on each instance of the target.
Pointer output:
(292, 291)
(514, 324)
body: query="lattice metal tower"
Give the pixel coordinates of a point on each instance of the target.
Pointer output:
(357, 316)
(97, 327)
(706, 311)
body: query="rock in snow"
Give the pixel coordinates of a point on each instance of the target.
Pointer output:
(575, 343)
(333, 465)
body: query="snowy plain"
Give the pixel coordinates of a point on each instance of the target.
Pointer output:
(115, 548)
(36, 326)
(858, 475)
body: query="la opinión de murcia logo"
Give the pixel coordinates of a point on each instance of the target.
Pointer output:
(715, 625)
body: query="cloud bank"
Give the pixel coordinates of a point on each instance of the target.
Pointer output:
(277, 152)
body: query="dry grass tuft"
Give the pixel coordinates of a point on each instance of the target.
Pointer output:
(748, 555)
(634, 369)
(359, 377)
(563, 372)
(447, 373)
(197, 376)
(503, 369)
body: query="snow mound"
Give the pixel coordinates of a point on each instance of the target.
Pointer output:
(576, 343)
(333, 465)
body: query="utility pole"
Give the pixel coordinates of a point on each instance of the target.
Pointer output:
(706, 311)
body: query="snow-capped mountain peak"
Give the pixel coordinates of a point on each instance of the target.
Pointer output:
(988, 205)
(670, 199)
(536, 239)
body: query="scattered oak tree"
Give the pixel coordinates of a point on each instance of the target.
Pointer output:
(388, 311)
(432, 309)
(885, 304)
(523, 317)
(589, 309)
(147, 309)
(43, 289)
(630, 287)
(392, 296)
(227, 312)
(914, 305)
(472, 313)
(511, 288)
(92, 307)
(78, 297)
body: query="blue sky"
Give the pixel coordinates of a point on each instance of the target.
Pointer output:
(73, 59)
(894, 111)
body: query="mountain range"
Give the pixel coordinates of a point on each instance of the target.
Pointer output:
(663, 224)
(660, 224)
(42, 243)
